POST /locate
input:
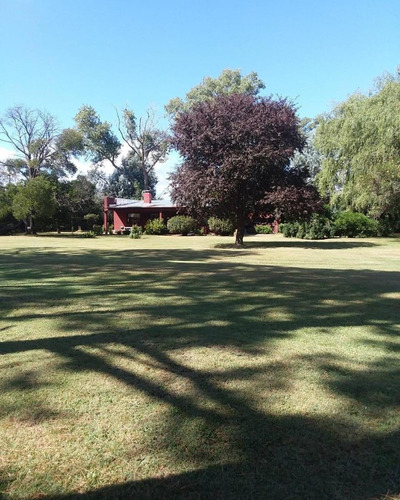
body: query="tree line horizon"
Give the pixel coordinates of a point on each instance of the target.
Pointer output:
(241, 153)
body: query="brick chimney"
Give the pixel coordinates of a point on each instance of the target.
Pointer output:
(147, 196)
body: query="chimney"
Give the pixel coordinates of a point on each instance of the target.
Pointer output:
(107, 201)
(147, 196)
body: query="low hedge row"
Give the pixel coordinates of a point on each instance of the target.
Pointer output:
(348, 224)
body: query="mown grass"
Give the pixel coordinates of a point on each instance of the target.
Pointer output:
(173, 367)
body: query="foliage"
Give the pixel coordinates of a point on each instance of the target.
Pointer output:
(309, 159)
(34, 200)
(223, 227)
(39, 147)
(91, 219)
(360, 143)
(97, 229)
(293, 202)
(181, 224)
(89, 234)
(263, 229)
(228, 82)
(318, 227)
(77, 201)
(148, 144)
(7, 194)
(135, 232)
(234, 149)
(128, 180)
(155, 226)
(354, 225)
(100, 143)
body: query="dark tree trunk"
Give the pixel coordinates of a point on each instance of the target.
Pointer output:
(239, 235)
(145, 179)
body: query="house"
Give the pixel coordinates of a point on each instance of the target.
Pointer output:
(127, 213)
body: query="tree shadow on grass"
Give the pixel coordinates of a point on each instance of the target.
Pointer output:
(236, 446)
(339, 244)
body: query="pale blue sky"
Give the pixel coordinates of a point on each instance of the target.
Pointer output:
(58, 54)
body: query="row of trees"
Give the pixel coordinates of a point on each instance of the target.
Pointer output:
(35, 183)
(242, 154)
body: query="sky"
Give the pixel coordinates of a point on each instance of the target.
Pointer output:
(59, 55)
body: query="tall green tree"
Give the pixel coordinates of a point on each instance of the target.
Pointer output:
(99, 141)
(228, 82)
(34, 201)
(128, 182)
(39, 145)
(360, 144)
(148, 144)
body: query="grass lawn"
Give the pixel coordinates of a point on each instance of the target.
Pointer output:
(179, 367)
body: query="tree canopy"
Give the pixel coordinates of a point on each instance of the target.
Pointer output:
(128, 181)
(34, 200)
(38, 144)
(360, 143)
(234, 149)
(228, 82)
(99, 141)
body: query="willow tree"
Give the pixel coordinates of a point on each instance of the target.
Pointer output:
(360, 143)
(234, 148)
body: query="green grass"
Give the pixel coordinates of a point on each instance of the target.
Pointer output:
(179, 367)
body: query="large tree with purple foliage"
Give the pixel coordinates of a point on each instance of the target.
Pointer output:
(235, 148)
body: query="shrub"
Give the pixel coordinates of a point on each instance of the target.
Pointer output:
(89, 234)
(136, 232)
(355, 225)
(155, 226)
(289, 229)
(222, 227)
(98, 230)
(263, 229)
(181, 224)
(319, 228)
(91, 219)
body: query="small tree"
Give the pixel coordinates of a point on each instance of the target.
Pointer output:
(34, 200)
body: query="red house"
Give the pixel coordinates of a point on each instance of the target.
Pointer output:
(127, 213)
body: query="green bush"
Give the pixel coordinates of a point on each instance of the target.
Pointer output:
(263, 229)
(222, 227)
(91, 219)
(355, 225)
(136, 232)
(289, 229)
(155, 226)
(89, 234)
(318, 227)
(98, 230)
(181, 224)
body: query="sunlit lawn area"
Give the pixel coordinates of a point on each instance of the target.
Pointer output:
(179, 367)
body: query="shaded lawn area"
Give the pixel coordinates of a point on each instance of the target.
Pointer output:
(180, 368)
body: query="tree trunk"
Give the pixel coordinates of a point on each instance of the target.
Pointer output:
(239, 235)
(30, 227)
(145, 179)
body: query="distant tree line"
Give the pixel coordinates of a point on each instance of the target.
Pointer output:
(242, 156)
